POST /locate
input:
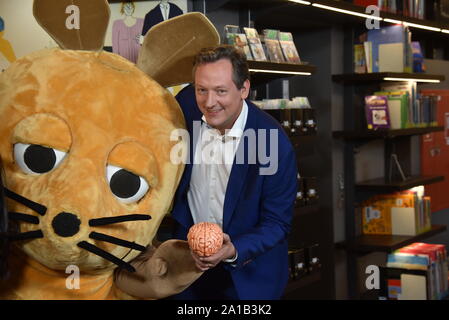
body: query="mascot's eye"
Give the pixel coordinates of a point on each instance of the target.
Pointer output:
(126, 186)
(36, 159)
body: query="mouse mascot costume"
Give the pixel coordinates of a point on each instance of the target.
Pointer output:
(86, 143)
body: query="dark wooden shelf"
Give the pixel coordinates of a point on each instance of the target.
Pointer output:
(380, 185)
(284, 14)
(379, 76)
(384, 134)
(263, 76)
(387, 243)
(306, 280)
(305, 210)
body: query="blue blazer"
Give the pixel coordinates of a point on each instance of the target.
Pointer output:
(154, 16)
(258, 209)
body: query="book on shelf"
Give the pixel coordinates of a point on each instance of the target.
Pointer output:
(365, 3)
(397, 108)
(368, 47)
(391, 57)
(376, 111)
(234, 37)
(288, 47)
(404, 213)
(408, 8)
(274, 50)
(255, 44)
(421, 109)
(411, 89)
(391, 49)
(443, 11)
(428, 259)
(359, 59)
(418, 58)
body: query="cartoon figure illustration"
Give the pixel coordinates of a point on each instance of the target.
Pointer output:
(126, 33)
(86, 154)
(163, 11)
(6, 49)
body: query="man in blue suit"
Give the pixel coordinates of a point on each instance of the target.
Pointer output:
(241, 175)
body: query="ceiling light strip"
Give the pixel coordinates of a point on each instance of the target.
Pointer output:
(354, 13)
(393, 21)
(282, 72)
(421, 26)
(411, 79)
(301, 2)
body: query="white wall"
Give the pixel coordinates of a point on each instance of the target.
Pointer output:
(25, 34)
(21, 29)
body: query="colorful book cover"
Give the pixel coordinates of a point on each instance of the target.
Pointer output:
(391, 34)
(368, 48)
(288, 47)
(394, 289)
(241, 43)
(376, 111)
(273, 46)
(255, 44)
(234, 37)
(359, 59)
(397, 108)
(418, 58)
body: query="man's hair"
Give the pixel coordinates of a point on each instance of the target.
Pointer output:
(240, 71)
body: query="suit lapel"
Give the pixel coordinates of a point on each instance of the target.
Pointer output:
(238, 172)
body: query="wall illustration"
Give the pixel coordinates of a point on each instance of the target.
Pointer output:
(7, 52)
(163, 11)
(126, 33)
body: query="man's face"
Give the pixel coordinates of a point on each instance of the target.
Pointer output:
(217, 96)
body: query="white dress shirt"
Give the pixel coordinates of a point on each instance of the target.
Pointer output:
(165, 10)
(214, 156)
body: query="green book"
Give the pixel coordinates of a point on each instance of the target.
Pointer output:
(398, 108)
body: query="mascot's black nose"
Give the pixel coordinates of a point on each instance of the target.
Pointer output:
(66, 224)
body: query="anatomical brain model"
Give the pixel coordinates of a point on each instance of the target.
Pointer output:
(205, 238)
(85, 144)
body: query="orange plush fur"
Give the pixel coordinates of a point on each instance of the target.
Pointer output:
(100, 110)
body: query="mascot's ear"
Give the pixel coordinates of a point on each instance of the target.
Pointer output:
(169, 47)
(74, 24)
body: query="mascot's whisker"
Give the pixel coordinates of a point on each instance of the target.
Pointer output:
(17, 216)
(117, 241)
(106, 255)
(26, 202)
(118, 219)
(26, 235)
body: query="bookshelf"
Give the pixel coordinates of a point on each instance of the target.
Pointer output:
(382, 185)
(386, 243)
(395, 142)
(384, 134)
(263, 72)
(380, 76)
(301, 283)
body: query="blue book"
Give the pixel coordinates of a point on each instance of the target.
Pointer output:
(392, 34)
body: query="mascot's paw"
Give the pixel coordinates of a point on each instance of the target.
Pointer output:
(160, 272)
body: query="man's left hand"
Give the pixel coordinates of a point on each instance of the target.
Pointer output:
(227, 251)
